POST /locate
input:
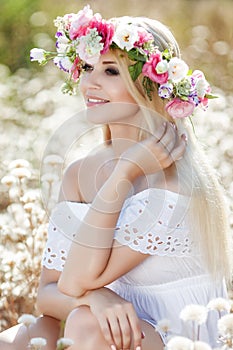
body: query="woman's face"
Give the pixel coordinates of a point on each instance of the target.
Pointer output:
(104, 89)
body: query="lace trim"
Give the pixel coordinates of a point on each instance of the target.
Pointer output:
(156, 225)
(151, 222)
(64, 222)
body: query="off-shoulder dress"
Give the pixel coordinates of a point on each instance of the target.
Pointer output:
(154, 222)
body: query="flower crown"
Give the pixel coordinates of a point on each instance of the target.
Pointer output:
(83, 37)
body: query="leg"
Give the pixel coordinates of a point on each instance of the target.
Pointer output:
(17, 337)
(83, 328)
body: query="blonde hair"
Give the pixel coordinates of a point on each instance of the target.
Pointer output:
(207, 207)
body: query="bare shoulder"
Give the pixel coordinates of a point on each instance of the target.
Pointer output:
(83, 177)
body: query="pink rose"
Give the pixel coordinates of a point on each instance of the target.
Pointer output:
(143, 36)
(105, 30)
(75, 33)
(149, 69)
(80, 22)
(178, 108)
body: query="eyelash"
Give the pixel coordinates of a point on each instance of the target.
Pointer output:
(87, 67)
(109, 71)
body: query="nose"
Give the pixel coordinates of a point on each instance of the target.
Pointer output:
(90, 80)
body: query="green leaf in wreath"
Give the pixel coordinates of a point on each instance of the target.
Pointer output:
(135, 70)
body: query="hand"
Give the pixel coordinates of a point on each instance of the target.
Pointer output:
(154, 153)
(117, 318)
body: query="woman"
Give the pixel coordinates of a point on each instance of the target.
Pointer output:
(139, 231)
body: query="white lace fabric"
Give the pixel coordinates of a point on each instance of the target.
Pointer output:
(152, 222)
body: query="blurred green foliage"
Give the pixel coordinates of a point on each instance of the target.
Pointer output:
(202, 27)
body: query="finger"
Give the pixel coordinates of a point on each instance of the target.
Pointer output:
(160, 132)
(115, 331)
(178, 152)
(135, 327)
(125, 331)
(169, 138)
(104, 325)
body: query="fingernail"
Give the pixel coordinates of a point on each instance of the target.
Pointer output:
(113, 347)
(143, 335)
(173, 125)
(184, 137)
(138, 348)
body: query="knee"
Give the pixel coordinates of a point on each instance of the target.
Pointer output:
(5, 345)
(81, 323)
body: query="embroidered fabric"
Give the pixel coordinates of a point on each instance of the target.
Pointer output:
(153, 222)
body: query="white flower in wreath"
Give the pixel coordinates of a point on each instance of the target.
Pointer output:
(126, 36)
(162, 67)
(37, 55)
(62, 43)
(201, 87)
(177, 69)
(63, 63)
(165, 90)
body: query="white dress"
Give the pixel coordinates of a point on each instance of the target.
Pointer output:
(154, 222)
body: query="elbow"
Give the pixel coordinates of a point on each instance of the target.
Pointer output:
(71, 288)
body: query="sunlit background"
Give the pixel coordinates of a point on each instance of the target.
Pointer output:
(32, 107)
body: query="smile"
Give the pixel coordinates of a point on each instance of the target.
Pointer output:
(95, 101)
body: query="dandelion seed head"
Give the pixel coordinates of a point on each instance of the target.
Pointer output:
(27, 319)
(180, 343)
(200, 345)
(9, 180)
(37, 343)
(30, 196)
(64, 343)
(53, 159)
(19, 163)
(219, 304)
(29, 207)
(194, 312)
(164, 325)
(49, 177)
(225, 325)
(21, 173)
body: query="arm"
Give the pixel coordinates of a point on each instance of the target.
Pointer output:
(104, 304)
(94, 240)
(49, 297)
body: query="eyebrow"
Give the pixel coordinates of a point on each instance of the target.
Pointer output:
(108, 62)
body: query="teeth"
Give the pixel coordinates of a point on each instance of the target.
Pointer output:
(93, 100)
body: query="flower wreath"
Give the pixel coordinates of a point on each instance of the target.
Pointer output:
(83, 37)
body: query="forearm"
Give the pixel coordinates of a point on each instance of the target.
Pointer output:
(51, 302)
(94, 238)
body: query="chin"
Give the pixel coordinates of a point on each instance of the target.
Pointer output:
(110, 112)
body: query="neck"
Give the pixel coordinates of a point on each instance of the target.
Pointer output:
(123, 137)
(125, 134)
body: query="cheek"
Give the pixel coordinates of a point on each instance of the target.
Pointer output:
(82, 84)
(120, 94)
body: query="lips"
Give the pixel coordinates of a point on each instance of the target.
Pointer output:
(94, 101)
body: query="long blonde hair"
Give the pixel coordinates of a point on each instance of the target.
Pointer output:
(207, 207)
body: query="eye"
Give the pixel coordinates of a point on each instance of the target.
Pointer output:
(112, 71)
(87, 67)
